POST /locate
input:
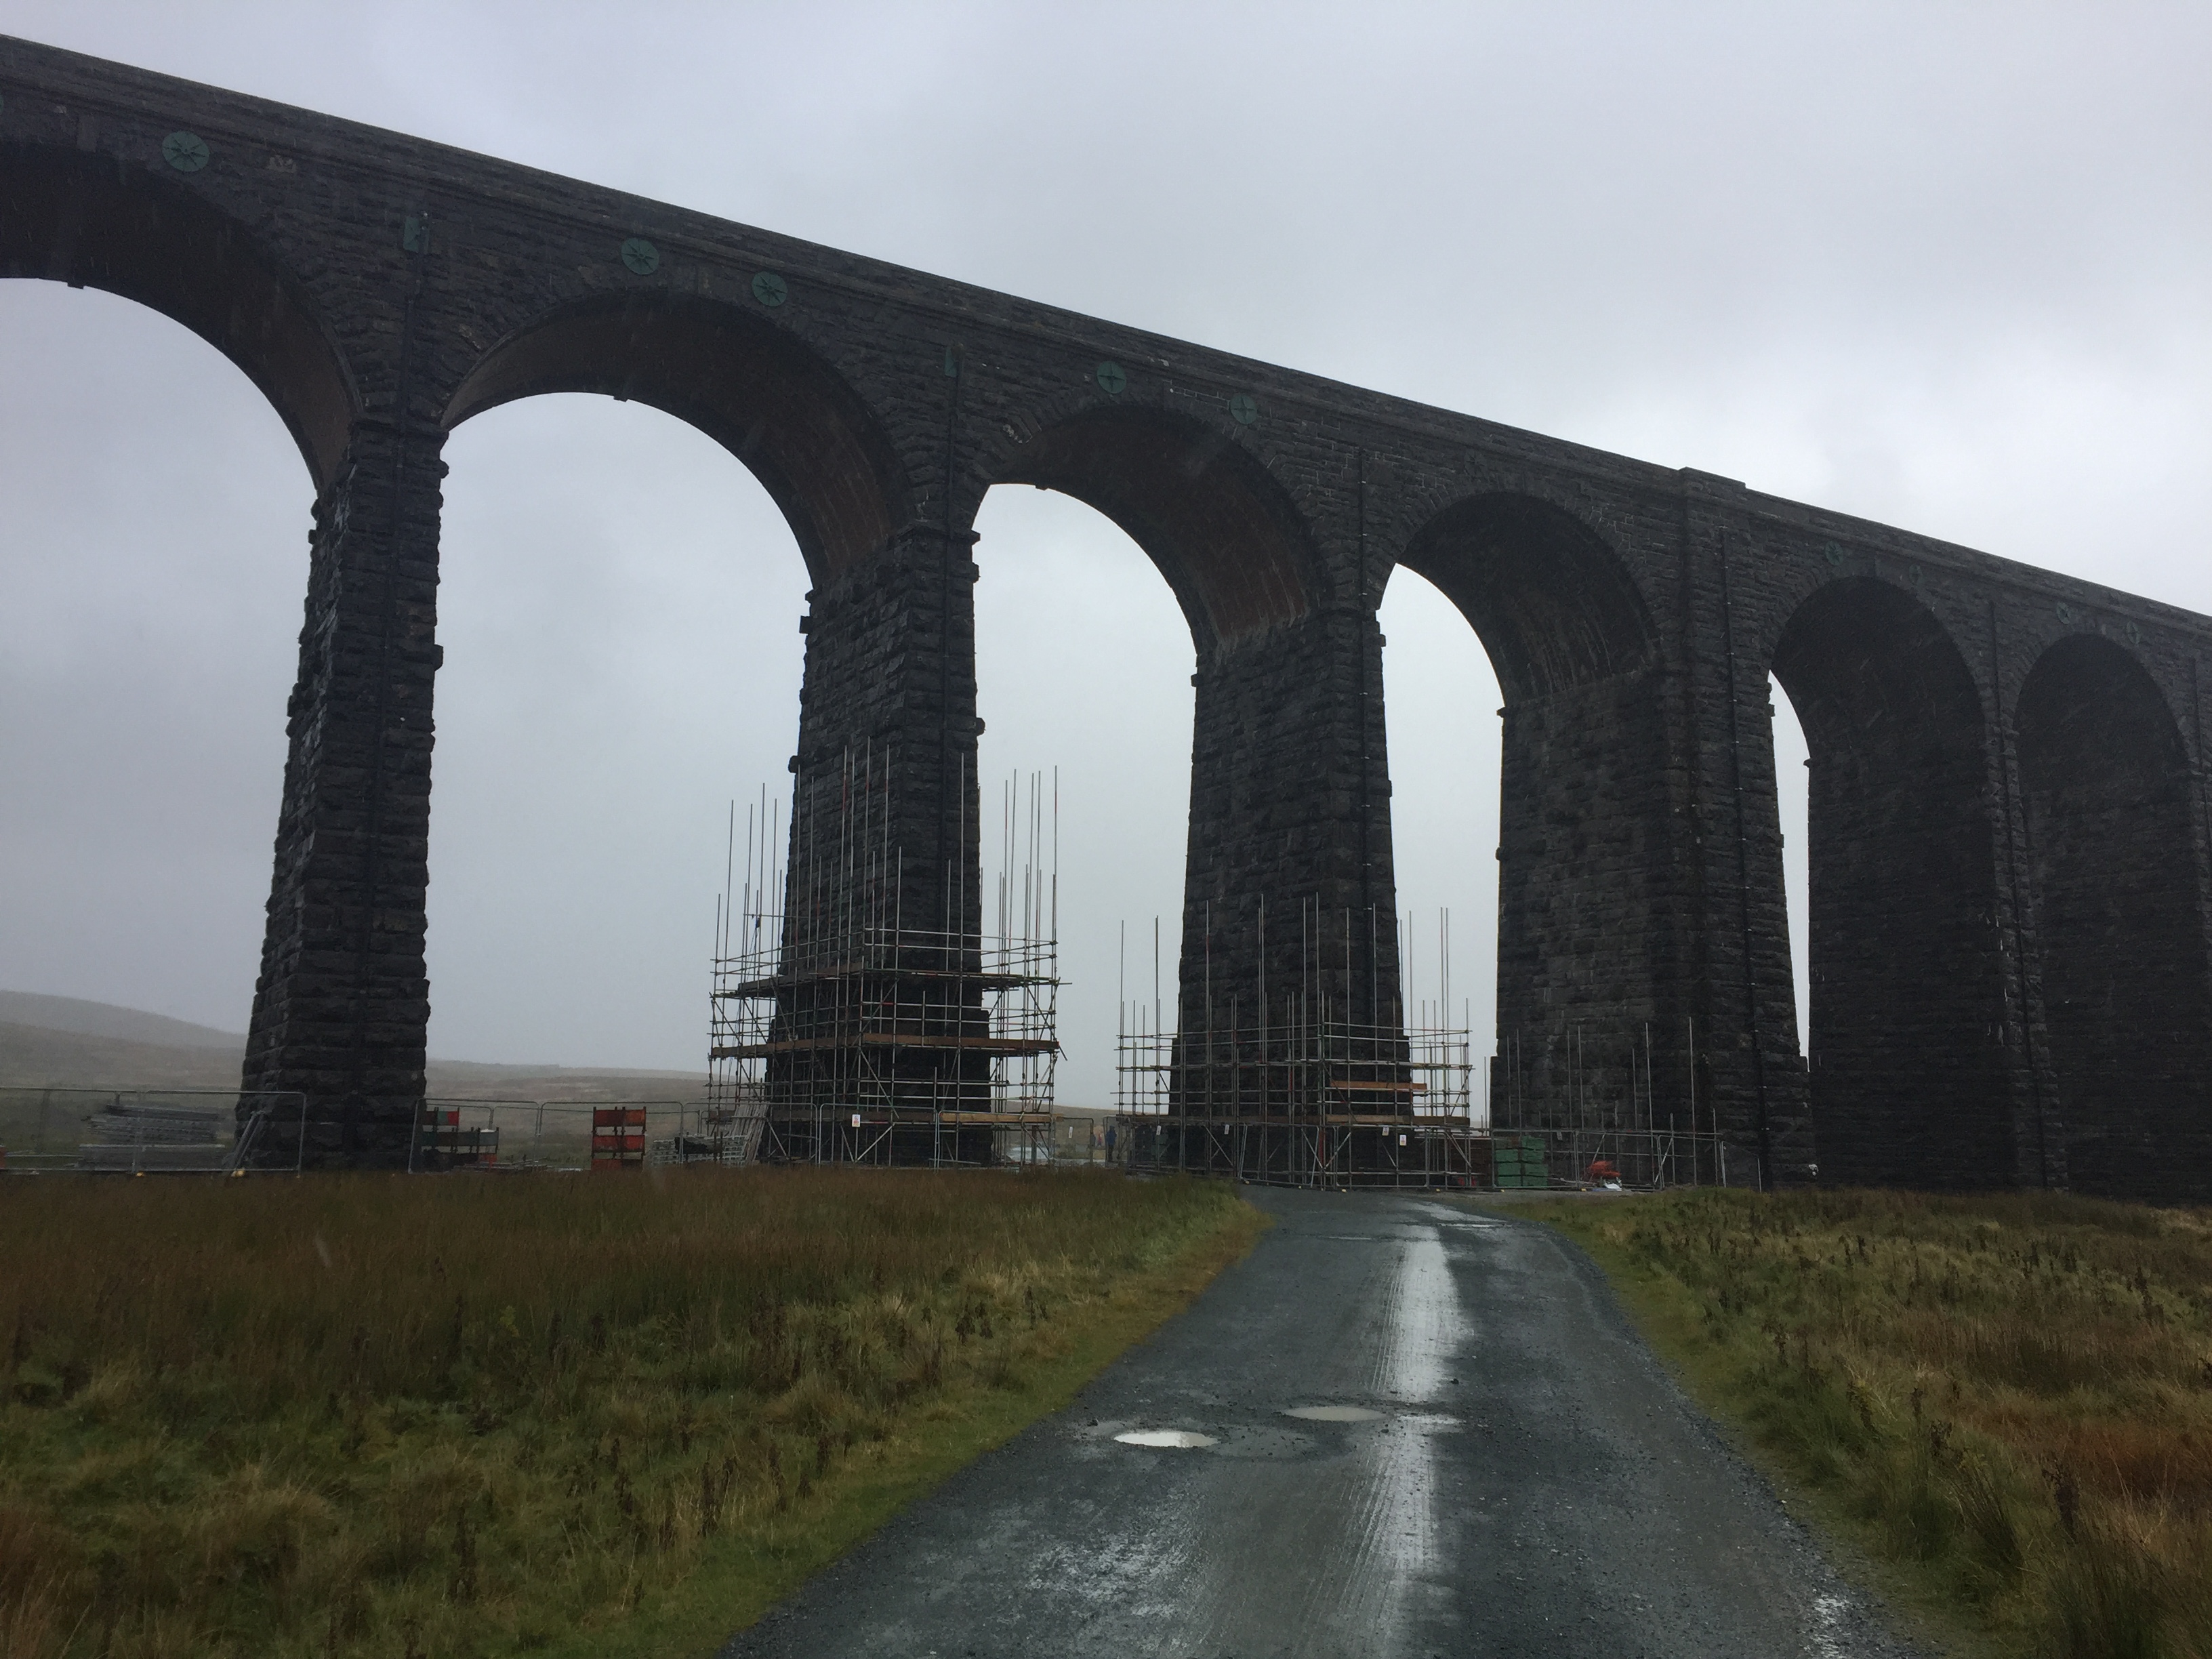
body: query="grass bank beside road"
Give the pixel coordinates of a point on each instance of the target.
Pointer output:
(614, 1415)
(2008, 1398)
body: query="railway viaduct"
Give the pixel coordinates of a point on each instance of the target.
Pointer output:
(2008, 817)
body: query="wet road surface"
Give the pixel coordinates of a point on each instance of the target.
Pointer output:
(1484, 1460)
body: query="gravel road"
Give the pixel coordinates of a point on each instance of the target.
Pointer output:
(1428, 1432)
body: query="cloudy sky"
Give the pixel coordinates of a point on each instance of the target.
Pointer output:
(1940, 265)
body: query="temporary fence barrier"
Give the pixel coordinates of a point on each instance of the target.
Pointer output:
(1605, 1159)
(149, 1131)
(514, 1135)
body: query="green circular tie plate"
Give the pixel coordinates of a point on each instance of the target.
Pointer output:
(1243, 410)
(1110, 377)
(187, 152)
(2065, 611)
(640, 256)
(769, 289)
(1834, 556)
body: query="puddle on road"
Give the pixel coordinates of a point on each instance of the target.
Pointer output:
(1168, 1439)
(1333, 1413)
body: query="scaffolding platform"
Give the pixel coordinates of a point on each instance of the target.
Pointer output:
(841, 1033)
(876, 1065)
(1312, 1101)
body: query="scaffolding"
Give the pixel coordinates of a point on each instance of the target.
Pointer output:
(1311, 1103)
(1305, 1094)
(1592, 1117)
(1316, 1091)
(840, 1033)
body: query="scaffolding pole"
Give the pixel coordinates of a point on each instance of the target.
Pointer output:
(841, 1034)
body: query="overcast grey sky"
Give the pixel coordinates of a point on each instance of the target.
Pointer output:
(1944, 266)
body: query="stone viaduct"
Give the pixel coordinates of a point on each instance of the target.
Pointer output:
(2009, 820)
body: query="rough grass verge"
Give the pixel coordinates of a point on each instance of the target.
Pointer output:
(2004, 1400)
(376, 1416)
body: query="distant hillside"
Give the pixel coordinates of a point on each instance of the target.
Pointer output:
(64, 1042)
(40, 1056)
(105, 1019)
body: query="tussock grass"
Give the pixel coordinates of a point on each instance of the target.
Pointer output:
(2007, 1397)
(378, 1416)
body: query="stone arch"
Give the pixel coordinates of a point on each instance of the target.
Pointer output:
(1551, 603)
(2105, 779)
(1208, 514)
(97, 222)
(1274, 703)
(1909, 1078)
(1582, 794)
(750, 385)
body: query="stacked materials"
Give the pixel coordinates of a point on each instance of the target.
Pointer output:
(141, 1137)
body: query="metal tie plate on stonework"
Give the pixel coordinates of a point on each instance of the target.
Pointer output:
(187, 152)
